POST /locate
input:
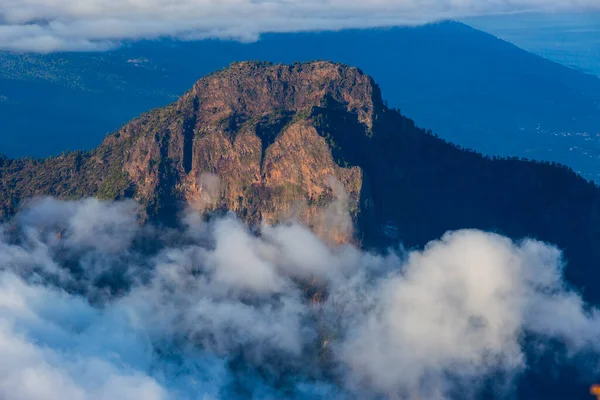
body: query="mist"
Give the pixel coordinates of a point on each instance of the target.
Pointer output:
(95, 305)
(96, 25)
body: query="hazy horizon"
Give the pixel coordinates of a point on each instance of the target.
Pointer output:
(570, 39)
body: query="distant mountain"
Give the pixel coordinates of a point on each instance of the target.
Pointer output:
(571, 39)
(469, 87)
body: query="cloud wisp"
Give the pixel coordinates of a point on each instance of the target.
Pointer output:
(72, 25)
(95, 306)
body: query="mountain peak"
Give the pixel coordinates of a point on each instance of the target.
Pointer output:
(252, 89)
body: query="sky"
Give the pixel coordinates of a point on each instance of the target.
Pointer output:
(74, 25)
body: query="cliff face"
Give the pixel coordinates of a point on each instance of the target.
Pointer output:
(274, 141)
(244, 140)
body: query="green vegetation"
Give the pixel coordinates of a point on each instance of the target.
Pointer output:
(115, 184)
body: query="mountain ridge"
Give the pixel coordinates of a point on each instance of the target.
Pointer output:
(273, 141)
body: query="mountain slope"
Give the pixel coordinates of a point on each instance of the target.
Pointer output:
(467, 86)
(274, 141)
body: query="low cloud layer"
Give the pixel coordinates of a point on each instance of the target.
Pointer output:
(60, 25)
(95, 306)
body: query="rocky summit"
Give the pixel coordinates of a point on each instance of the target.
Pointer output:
(311, 141)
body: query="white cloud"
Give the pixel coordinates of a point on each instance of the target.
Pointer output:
(458, 309)
(91, 224)
(56, 346)
(218, 312)
(54, 25)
